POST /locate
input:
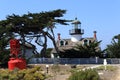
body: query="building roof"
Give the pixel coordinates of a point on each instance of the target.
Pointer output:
(76, 21)
(68, 44)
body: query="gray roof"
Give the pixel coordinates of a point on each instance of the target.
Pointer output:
(69, 44)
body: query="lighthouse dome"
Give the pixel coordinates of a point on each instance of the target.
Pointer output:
(76, 21)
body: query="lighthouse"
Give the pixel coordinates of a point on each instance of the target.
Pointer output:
(76, 33)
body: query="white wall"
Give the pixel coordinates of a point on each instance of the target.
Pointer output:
(76, 38)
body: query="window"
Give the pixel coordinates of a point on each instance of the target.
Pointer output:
(89, 41)
(66, 42)
(85, 42)
(61, 43)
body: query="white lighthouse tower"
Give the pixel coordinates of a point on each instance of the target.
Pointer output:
(76, 33)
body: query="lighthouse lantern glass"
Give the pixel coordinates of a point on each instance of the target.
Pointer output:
(76, 26)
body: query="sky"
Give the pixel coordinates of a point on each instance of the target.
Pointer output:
(102, 16)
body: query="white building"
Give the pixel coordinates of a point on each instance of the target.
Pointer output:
(76, 37)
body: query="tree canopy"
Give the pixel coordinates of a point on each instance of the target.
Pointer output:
(113, 49)
(34, 26)
(34, 22)
(4, 41)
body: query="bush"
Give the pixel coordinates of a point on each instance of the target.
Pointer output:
(84, 75)
(26, 74)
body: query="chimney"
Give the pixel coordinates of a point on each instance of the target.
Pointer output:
(95, 37)
(58, 36)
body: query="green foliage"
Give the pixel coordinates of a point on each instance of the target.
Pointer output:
(4, 42)
(90, 50)
(4, 37)
(70, 53)
(4, 74)
(4, 57)
(48, 53)
(83, 51)
(26, 74)
(34, 22)
(113, 49)
(84, 75)
(35, 25)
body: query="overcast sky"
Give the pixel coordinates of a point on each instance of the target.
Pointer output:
(100, 15)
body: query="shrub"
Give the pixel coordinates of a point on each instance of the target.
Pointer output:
(84, 75)
(25, 74)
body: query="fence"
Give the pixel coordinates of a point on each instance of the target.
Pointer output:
(73, 61)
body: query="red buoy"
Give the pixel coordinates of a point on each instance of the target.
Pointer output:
(16, 63)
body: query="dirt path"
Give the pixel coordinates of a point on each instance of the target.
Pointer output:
(63, 73)
(117, 75)
(111, 75)
(59, 77)
(106, 75)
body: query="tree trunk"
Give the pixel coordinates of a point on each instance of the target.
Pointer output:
(43, 51)
(23, 44)
(54, 42)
